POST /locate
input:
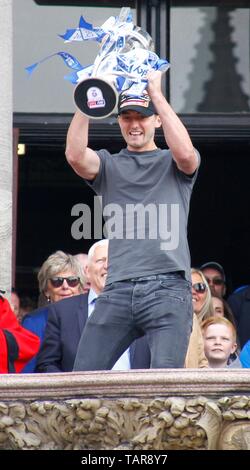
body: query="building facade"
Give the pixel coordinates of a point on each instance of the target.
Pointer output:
(208, 85)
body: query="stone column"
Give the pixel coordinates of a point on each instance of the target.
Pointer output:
(5, 144)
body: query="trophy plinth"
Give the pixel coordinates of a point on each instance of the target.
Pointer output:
(96, 97)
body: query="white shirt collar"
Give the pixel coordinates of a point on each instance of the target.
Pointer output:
(92, 295)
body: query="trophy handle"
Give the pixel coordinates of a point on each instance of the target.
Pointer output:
(95, 97)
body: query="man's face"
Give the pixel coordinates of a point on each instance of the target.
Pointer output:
(215, 281)
(218, 344)
(138, 130)
(96, 269)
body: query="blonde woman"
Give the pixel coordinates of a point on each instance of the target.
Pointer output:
(60, 277)
(202, 306)
(201, 295)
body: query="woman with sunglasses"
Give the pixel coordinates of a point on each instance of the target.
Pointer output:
(201, 295)
(60, 277)
(202, 306)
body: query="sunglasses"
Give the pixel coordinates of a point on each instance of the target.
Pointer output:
(199, 287)
(217, 281)
(72, 281)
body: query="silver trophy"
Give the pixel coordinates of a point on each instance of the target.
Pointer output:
(125, 57)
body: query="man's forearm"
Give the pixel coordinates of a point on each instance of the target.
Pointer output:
(176, 135)
(77, 137)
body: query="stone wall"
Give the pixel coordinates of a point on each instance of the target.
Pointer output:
(135, 410)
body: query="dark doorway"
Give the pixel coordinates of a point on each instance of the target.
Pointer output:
(219, 228)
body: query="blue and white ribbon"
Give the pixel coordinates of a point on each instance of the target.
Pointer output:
(123, 57)
(68, 59)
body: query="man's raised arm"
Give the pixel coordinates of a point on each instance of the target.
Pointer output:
(83, 160)
(176, 135)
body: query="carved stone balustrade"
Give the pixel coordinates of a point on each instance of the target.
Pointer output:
(135, 410)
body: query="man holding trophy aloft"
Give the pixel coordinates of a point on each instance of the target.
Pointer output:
(148, 288)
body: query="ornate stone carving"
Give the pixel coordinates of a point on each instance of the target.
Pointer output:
(77, 418)
(103, 424)
(235, 432)
(235, 436)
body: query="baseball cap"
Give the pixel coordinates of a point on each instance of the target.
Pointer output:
(214, 265)
(142, 104)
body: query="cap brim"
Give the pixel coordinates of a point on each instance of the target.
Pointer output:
(139, 109)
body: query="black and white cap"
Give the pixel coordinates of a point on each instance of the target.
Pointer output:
(142, 104)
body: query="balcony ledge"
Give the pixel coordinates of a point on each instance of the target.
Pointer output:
(136, 410)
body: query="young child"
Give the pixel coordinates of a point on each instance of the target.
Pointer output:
(219, 336)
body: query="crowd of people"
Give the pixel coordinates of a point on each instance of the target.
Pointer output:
(47, 338)
(132, 302)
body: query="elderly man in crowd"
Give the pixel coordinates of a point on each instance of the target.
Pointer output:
(67, 319)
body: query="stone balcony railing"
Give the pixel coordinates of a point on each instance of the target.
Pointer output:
(135, 410)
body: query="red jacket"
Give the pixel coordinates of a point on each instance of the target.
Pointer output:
(17, 345)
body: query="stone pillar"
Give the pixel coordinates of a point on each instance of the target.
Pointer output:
(5, 144)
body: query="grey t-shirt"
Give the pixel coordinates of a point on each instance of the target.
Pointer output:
(145, 200)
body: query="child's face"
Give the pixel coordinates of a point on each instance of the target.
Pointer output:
(219, 343)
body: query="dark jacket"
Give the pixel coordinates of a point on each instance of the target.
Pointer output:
(240, 305)
(66, 321)
(36, 322)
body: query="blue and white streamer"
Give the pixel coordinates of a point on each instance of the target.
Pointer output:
(124, 57)
(68, 59)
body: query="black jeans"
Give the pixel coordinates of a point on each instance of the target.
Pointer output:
(159, 306)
